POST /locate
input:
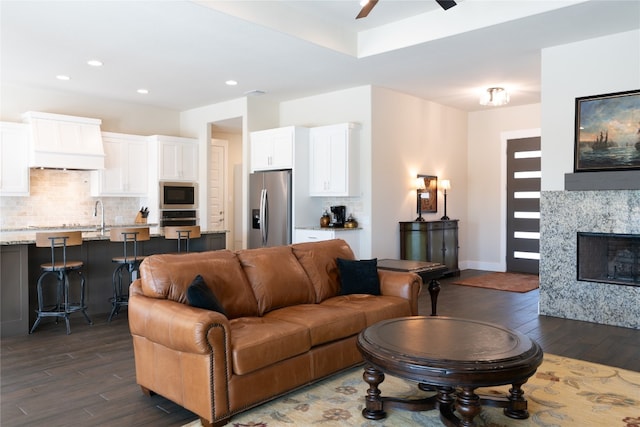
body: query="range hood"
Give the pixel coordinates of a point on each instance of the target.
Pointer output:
(64, 142)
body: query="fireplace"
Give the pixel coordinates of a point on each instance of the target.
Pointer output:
(609, 258)
(604, 215)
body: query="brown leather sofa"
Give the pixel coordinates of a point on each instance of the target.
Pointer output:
(286, 324)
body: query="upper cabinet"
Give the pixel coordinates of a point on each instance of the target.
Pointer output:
(177, 158)
(333, 163)
(273, 149)
(14, 159)
(125, 170)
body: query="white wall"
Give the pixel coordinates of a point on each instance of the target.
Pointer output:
(198, 122)
(137, 119)
(413, 136)
(350, 105)
(254, 114)
(485, 232)
(400, 136)
(592, 67)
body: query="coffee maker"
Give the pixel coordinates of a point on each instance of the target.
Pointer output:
(338, 217)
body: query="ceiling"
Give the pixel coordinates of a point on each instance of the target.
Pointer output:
(184, 51)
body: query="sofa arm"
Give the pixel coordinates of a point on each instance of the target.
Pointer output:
(182, 353)
(401, 284)
(178, 326)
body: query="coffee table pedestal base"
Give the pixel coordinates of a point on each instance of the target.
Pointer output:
(449, 401)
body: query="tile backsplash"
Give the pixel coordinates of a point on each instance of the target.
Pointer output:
(63, 197)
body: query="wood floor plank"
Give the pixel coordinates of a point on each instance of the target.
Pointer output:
(88, 378)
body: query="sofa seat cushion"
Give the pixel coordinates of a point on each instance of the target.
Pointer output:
(276, 277)
(374, 308)
(325, 323)
(319, 262)
(257, 342)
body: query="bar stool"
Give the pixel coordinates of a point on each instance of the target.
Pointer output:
(182, 233)
(58, 242)
(128, 262)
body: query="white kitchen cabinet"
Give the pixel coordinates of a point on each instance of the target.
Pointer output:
(349, 235)
(177, 158)
(273, 149)
(125, 172)
(14, 159)
(333, 163)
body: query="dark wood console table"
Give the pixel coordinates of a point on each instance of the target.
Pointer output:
(429, 272)
(452, 357)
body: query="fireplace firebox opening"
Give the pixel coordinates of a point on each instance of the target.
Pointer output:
(609, 258)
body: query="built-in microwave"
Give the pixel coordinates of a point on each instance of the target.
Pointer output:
(178, 195)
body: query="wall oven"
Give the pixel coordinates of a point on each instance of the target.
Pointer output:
(178, 195)
(180, 217)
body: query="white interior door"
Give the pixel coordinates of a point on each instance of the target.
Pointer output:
(217, 184)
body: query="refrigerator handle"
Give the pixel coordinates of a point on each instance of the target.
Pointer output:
(264, 216)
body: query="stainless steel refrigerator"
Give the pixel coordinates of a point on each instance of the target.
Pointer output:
(270, 208)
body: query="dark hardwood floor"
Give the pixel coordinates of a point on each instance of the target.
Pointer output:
(88, 378)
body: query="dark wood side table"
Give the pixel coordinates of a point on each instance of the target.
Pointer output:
(434, 241)
(429, 272)
(452, 357)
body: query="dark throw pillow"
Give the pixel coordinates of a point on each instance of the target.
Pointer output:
(359, 276)
(201, 296)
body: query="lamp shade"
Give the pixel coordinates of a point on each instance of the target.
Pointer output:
(445, 184)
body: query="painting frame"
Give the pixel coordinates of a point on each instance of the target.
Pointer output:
(607, 132)
(429, 195)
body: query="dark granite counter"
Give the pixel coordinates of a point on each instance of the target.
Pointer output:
(27, 235)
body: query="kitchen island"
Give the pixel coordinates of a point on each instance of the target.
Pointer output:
(20, 261)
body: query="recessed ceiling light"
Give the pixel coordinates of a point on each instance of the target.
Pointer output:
(62, 77)
(143, 91)
(94, 63)
(231, 82)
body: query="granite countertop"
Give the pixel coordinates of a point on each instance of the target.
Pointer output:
(22, 236)
(317, 227)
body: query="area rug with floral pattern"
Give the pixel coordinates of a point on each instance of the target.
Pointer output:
(563, 392)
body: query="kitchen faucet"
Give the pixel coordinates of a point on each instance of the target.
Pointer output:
(95, 213)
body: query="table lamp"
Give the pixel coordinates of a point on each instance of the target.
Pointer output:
(445, 185)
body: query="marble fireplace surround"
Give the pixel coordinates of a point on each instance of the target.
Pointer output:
(563, 215)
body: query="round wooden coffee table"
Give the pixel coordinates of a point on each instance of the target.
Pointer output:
(452, 357)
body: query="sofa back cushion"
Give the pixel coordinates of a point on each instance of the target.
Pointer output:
(276, 277)
(319, 262)
(169, 275)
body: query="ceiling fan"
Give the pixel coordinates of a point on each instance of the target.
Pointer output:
(366, 8)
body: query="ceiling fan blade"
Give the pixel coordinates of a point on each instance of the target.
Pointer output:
(366, 9)
(446, 4)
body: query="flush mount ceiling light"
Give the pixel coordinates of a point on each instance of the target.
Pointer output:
(231, 83)
(94, 63)
(495, 96)
(63, 77)
(254, 92)
(143, 91)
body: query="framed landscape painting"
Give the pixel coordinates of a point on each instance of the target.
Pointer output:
(607, 135)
